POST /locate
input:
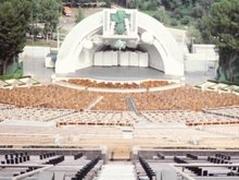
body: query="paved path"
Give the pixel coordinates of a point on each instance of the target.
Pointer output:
(118, 171)
(36, 68)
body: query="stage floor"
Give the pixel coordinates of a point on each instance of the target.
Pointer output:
(119, 73)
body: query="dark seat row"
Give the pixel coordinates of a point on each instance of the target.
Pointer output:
(86, 169)
(179, 160)
(161, 155)
(56, 160)
(198, 171)
(194, 157)
(223, 156)
(217, 160)
(16, 160)
(11, 156)
(27, 170)
(78, 156)
(47, 155)
(150, 173)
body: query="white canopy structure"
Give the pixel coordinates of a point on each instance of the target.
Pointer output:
(120, 37)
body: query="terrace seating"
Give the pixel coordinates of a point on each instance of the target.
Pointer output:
(203, 119)
(232, 111)
(31, 114)
(99, 118)
(20, 82)
(6, 106)
(184, 98)
(4, 84)
(112, 101)
(225, 87)
(119, 85)
(26, 139)
(189, 118)
(47, 97)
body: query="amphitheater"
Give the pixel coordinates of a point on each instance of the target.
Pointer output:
(93, 128)
(156, 130)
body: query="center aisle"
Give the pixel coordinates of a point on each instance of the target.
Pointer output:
(118, 171)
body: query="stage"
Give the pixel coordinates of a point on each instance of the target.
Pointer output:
(118, 74)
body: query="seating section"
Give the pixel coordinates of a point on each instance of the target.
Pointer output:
(16, 158)
(25, 139)
(199, 165)
(20, 82)
(228, 129)
(184, 98)
(82, 173)
(224, 111)
(111, 102)
(67, 106)
(119, 85)
(47, 97)
(38, 165)
(99, 118)
(216, 86)
(148, 170)
(190, 118)
(6, 106)
(9, 112)
(67, 116)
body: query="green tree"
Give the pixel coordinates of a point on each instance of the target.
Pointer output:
(223, 24)
(50, 12)
(162, 16)
(80, 16)
(14, 20)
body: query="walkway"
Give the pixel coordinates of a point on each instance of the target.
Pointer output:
(118, 171)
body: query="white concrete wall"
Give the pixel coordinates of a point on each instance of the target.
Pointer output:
(196, 64)
(121, 58)
(204, 48)
(155, 60)
(35, 52)
(203, 58)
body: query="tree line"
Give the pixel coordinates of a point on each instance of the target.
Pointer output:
(207, 21)
(21, 17)
(215, 21)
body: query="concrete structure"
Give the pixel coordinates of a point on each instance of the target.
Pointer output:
(125, 40)
(116, 37)
(203, 58)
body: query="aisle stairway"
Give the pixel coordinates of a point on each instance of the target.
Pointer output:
(118, 171)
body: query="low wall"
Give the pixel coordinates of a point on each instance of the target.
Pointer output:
(200, 62)
(35, 52)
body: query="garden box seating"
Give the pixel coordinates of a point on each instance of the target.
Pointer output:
(4, 84)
